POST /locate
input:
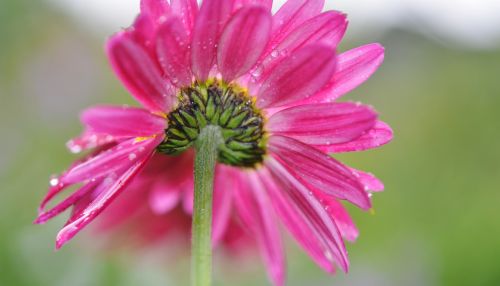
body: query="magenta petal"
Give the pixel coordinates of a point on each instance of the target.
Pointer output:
(172, 47)
(163, 198)
(368, 180)
(324, 123)
(155, 9)
(255, 209)
(225, 183)
(89, 140)
(292, 14)
(353, 68)
(44, 216)
(339, 214)
(268, 4)
(326, 28)
(318, 170)
(297, 223)
(118, 157)
(122, 121)
(139, 73)
(243, 40)
(187, 10)
(304, 200)
(379, 135)
(209, 23)
(97, 205)
(298, 76)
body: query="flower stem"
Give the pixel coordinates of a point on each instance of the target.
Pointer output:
(206, 147)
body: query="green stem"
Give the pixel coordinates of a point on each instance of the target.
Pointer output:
(206, 147)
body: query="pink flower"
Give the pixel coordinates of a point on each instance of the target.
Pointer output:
(270, 83)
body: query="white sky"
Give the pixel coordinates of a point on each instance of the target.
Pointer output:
(466, 23)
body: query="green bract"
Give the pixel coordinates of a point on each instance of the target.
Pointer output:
(219, 104)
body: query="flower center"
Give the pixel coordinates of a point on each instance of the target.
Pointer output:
(227, 106)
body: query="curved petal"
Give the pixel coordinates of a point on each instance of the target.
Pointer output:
(327, 28)
(109, 191)
(342, 219)
(379, 135)
(324, 123)
(297, 223)
(353, 68)
(44, 216)
(223, 196)
(209, 23)
(187, 10)
(163, 198)
(111, 160)
(243, 40)
(268, 4)
(139, 73)
(173, 50)
(122, 121)
(292, 14)
(368, 180)
(318, 170)
(298, 76)
(305, 202)
(155, 9)
(89, 140)
(254, 208)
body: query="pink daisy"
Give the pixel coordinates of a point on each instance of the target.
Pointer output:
(270, 83)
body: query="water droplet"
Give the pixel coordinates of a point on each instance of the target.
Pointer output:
(132, 156)
(54, 181)
(275, 54)
(257, 72)
(73, 148)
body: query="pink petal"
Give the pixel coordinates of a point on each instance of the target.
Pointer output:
(353, 68)
(292, 14)
(298, 76)
(89, 140)
(255, 210)
(172, 46)
(163, 198)
(123, 121)
(120, 156)
(327, 28)
(155, 9)
(320, 223)
(243, 41)
(94, 208)
(268, 4)
(297, 223)
(342, 219)
(209, 23)
(368, 180)
(44, 216)
(323, 124)
(139, 73)
(187, 10)
(225, 183)
(318, 170)
(379, 135)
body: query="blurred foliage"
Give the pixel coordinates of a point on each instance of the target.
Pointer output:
(436, 224)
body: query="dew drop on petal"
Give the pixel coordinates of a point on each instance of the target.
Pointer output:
(54, 181)
(132, 156)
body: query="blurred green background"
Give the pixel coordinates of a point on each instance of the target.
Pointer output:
(436, 223)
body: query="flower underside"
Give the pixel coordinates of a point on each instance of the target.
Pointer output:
(227, 106)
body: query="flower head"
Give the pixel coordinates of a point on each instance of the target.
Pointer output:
(270, 82)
